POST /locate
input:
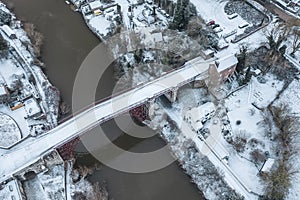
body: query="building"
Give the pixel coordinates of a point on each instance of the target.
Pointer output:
(32, 108)
(226, 66)
(267, 165)
(96, 7)
(9, 32)
(198, 115)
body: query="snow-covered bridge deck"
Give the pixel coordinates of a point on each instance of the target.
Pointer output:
(28, 152)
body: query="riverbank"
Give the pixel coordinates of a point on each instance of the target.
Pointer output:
(27, 95)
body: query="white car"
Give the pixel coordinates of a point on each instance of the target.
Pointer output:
(218, 30)
(234, 15)
(243, 25)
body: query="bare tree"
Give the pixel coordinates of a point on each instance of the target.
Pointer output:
(279, 179)
(296, 42)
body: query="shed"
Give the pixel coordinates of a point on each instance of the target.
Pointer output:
(267, 165)
(95, 5)
(31, 107)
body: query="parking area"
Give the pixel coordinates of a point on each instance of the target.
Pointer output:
(217, 13)
(232, 21)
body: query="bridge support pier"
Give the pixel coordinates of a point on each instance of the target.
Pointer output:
(172, 95)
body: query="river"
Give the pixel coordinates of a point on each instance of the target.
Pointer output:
(67, 42)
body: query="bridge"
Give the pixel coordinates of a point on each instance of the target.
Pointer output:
(32, 149)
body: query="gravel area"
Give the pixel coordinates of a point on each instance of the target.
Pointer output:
(245, 10)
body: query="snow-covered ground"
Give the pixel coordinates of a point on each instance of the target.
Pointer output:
(260, 94)
(240, 171)
(179, 138)
(61, 180)
(214, 10)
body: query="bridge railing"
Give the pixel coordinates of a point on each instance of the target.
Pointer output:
(90, 108)
(184, 66)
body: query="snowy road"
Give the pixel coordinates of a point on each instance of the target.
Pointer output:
(27, 153)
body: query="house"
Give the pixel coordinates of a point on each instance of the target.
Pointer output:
(198, 115)
(194, 119)
(32, 108)
(226, 66)
(96, 7)
(9, 32)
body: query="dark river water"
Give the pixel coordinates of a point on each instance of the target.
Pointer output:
(67, 42)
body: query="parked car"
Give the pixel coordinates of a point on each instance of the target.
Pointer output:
(211, 22)
(215, 26)
(218, 29)
(234, 15)
(243, 25)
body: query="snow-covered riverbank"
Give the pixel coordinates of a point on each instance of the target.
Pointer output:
(27, 96)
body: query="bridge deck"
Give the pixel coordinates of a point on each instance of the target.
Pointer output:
(26, 153)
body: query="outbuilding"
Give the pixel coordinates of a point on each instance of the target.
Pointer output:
(94, 5)
(266, 168)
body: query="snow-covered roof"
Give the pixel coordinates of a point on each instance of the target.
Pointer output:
(196, 114)
(257, 71)
(157, 37)
(268, 165)
(7, 30)
(208, 52)
(226, 62)
(31, 107)
(95, 4)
